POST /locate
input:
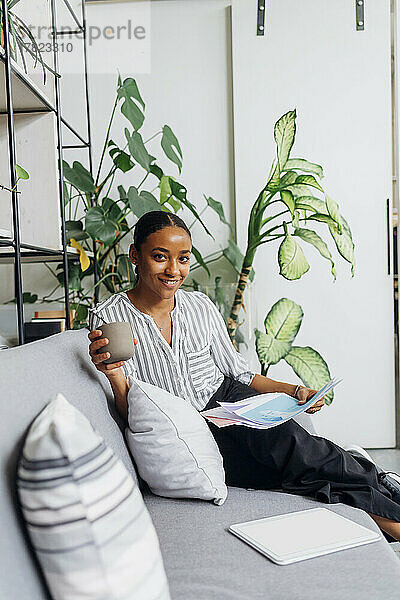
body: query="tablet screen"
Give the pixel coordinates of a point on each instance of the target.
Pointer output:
(304, 532)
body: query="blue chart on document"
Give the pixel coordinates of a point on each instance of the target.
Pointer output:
(264, 410)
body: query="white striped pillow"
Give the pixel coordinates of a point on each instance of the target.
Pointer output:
(84, 513)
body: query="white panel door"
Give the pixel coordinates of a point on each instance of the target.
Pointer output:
(312, 58)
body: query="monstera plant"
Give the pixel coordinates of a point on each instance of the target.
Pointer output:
(282, 324)
(99, 209)
(293, 185)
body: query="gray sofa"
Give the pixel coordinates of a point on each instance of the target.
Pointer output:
(202, 560)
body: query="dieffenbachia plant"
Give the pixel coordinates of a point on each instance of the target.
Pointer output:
(293, 184)
(282, 324)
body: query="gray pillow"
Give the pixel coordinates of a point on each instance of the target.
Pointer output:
(173, 448)
(85, 514)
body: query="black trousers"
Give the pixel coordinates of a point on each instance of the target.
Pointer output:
(290, 459)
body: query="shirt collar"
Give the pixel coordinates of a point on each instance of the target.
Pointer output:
(177, 308)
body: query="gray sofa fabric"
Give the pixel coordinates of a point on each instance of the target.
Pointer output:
(31, 376)
(202, 560)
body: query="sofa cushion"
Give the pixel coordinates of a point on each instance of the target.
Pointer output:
(203, 561)
(31, 376)
(85, 514)
(172, 445)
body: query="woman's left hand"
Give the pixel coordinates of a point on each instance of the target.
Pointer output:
(304, 394)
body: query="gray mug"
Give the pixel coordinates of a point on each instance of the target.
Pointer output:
(120, 341)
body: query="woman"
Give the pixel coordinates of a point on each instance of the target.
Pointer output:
(183, 346)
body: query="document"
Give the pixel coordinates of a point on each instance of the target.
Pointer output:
(264, 410)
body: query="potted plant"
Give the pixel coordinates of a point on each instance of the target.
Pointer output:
(293, 185)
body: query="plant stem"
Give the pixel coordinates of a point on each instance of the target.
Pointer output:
(111, 182)
(216, 255)
(51, 270)
(51, 293)
(106, 140)
(143, 180)
(208, 263)
(153, 136)
(76, 209)
(238, 301)
(272, 239)
(196, 220)
(274, 217)
(264, 369)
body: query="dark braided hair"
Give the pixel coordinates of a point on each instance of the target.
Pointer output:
(153, 221)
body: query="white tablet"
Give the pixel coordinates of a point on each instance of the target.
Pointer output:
(303, 534)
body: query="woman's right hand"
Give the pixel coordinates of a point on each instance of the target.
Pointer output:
(110, 370)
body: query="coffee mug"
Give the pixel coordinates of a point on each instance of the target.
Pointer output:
(120, 341)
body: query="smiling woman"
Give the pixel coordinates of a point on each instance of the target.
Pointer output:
(182, 346)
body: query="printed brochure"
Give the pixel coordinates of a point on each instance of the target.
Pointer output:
(264, 410)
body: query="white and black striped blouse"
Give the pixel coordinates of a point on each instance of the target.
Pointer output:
(201, 352)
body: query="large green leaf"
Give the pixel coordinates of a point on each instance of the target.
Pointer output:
(112, 209)
(284, 134)
(233, 254)
(27, 298)
(287, 198)
(325, 219)
(219, 209)
(180, 193)
(311, 203)
(78, 176)
(313, 238)
(284, 319)
(142, 203)
(298, 189)
(21, 173)
(124, 268)
(99, 226)
(278, 184)
(296, 219)
(270, 350)
(292, 262)
(121, 159)
(171, 146)
(156, 171)
(74, 229)
(333, 209)
(309, 365)
(166, 194)
(344, 242)
(286, 179)
(304, 165)
(74, 279)
(308, 180)
(132, 101)
(138, 150)
(200, 259)
(165, 189)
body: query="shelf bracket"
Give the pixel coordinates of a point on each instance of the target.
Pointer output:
(260, 17)
(360, 15)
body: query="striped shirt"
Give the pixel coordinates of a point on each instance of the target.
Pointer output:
(201, 352)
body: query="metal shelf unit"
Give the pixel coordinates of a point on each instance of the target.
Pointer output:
(23, 96)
